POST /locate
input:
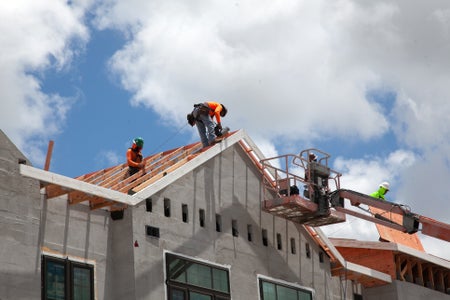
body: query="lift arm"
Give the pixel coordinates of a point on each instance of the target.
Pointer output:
(411, 221)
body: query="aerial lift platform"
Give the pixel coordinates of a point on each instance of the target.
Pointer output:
(304, 189)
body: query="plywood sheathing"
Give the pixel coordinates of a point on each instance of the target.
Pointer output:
(391, 235)
(407, 264)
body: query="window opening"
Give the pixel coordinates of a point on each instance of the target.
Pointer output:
(190, 279)
(249, 233)
(201, 216)
(66, 279)
(184, 213)
(293, 250)
(218, 223)
(275, 291)
(279, 242)
(234, 228)
(148, 204)
(308, 250)
(264, 237)
(167, 207)
(321, 257)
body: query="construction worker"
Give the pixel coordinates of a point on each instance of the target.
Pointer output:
(203, 116)
(382, 190)
(311, 158)
(134, 156)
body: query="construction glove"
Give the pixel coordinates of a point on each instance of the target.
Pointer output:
(218, 130)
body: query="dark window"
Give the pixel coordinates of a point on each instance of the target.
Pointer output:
(279, 242)
(249, 233)
(274, 291)
(66, 279)
(293, 249)
(218, 223)
(234, 228)
(201, 216)
(307, 250)
(264, 237)
(189, 279)
(166, 207)
(152, 231)
(148, 204)
(357, 297)
(184, 213)
(321, 257)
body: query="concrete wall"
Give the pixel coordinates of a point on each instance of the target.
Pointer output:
(401, 290)
(32, 226)
(227, 185)
(20, 207)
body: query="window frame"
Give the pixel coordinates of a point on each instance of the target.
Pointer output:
(186, 287)
(281, 283)
(69, 267)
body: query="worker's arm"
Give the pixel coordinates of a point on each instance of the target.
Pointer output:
(216, 108)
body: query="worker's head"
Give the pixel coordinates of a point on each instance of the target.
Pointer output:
(190, 118)
(312, 156)
(138, 142)
(224, 111)
(385, 186)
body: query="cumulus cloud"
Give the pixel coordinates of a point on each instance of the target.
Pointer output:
(292, 73)
(404, 170)
(36, 36)
(276, 62)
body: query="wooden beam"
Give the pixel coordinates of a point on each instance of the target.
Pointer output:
(99, 205)
(53, 191)
(159, 175)
(49, 155)
(430, 282)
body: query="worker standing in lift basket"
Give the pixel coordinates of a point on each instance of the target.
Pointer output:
(317, 176)
(382, 190)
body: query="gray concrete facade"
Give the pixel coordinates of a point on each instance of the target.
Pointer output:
(402, 290)
(227, 185)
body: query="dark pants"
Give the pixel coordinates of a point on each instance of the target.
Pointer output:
(132, 170)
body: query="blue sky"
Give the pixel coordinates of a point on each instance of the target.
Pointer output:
(365, 82)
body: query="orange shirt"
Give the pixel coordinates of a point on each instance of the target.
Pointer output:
(134, 157)
(216, 108)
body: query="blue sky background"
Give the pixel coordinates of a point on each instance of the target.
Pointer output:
(366, 82)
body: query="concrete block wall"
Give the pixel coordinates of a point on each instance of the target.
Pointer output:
(227, 185)
(32, 226)
(402, 290)
(20, 208)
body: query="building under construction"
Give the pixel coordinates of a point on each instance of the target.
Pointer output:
(222, 222)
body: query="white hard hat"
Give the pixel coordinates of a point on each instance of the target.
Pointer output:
(385, 185)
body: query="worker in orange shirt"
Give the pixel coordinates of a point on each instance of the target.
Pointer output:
(134, 156)
(203, 116)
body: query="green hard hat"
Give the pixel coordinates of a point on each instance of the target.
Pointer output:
(139, 142)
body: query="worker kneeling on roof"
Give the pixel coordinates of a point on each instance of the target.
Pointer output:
(382, 190)
(134, 156)
(202, 116)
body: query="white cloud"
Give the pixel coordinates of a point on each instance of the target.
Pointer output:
(291, 73)
(269, 63)
(110, 158)
(410, 186)
(300, 73)
(36, 36)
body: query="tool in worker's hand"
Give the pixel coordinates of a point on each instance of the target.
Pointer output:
(220, 133)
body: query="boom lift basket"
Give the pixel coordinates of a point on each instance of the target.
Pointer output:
(285, 175)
